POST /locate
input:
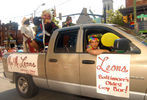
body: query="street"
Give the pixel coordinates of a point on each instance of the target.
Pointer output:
(8, 92)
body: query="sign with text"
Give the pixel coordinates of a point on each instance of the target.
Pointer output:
(23, 63)
(112, 74)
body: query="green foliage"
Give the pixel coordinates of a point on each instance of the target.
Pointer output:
(115, 17)
(54, 17)
(55, 21)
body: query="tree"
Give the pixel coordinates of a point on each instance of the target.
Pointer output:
(54, 15)
(115, 17)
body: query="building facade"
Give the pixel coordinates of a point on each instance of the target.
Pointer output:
(129, 3)
(141, 7)
(9, 36)
(107, 5)
(141, 13)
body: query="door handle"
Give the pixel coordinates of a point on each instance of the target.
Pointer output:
(52, 60)
(136, 77)
(88, 62)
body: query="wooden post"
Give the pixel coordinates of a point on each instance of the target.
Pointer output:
(135, 20)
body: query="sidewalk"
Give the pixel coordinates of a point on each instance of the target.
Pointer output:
(1, 70)
(0, 59)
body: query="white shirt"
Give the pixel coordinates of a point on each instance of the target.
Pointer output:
(28, 31)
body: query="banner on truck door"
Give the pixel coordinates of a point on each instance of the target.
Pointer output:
(23, 63)
(112, 74)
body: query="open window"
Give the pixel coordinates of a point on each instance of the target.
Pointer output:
(100, 31)
(66, 42)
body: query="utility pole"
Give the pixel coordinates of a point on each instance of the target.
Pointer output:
(135, 20)
(105, 15)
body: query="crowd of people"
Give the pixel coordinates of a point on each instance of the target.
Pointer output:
(11, 49)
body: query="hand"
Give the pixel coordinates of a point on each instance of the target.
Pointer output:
(29, 38)
(47, 21)
(106, 51)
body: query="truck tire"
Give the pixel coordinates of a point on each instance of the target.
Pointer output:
(25, 86)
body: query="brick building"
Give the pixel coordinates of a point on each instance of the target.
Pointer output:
(141, 7)
(8, 36)
(141, 12)
(129, 3)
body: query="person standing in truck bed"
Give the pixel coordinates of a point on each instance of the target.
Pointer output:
(27, 32)
(49, 26)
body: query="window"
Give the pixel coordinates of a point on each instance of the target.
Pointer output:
(100, 30)
(66, 41)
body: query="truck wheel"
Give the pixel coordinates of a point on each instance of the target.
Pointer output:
(25, 86)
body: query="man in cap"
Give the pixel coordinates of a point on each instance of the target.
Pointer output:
(68, 22)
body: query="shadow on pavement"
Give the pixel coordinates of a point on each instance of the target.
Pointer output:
(42, 95)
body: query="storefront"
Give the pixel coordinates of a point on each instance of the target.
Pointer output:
(141, 12)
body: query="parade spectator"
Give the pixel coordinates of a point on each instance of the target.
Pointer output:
(4, 51)
(27, 32)
(12, 48)
(49, 26)
(20, 49)
(0, 54)
(68, 22)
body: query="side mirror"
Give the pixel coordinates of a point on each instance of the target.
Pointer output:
(121, 44)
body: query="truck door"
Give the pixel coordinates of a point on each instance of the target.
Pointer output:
(62, 66)
(88, 63)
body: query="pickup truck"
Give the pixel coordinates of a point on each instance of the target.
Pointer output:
(67, 67)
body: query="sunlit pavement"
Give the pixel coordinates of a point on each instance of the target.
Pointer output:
(8, 92)
(1, 70)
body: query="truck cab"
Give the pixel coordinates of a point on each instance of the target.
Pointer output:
(67, 67)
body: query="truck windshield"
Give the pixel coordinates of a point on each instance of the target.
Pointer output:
(129, 31)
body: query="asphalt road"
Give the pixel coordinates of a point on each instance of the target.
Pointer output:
(8, 92)
(11, 94)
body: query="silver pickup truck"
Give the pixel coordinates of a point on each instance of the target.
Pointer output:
(67, 67)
